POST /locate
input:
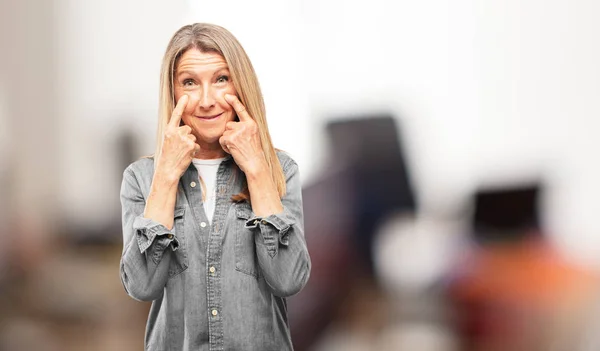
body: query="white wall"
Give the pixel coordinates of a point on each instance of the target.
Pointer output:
(109, 61)
(489, 92)
(486, 91)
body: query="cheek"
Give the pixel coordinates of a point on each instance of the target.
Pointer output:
(193, 100)
(224, 104)
(220, 97)
(178, 92)
(189, 108)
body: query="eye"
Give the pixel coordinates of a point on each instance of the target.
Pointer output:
(223, 79)
(188, 82)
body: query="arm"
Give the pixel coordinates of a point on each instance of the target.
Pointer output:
(148, 244)
(280, 245)
(146, 234)
(279, 227)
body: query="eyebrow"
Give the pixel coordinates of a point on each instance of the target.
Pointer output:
(193, 73)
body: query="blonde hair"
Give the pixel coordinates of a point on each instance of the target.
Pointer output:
(212, 38)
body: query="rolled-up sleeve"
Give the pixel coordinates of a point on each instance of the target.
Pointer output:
(153, 238)
(148, 230)
(274, 229)
(280, 244)
(144, 266)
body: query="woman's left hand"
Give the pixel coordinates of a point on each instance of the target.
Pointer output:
(242, 140)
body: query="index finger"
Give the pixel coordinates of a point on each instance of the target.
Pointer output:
(178, 111)
(238, 107)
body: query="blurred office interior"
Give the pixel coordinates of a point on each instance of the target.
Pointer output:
(447, 151)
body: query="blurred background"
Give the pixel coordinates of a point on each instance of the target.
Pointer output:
(448, 154)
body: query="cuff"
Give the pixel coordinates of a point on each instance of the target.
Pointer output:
(274, 230)
(148, 230)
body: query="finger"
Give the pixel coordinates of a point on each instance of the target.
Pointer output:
(185, 129)
(194, 149)
(223, 142)
(192, 137)
(178, 111)
(227, 136)
(240, 109)
(230, 125)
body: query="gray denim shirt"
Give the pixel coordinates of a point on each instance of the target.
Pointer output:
(214, 287)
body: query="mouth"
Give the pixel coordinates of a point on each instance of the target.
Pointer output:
(208, 118)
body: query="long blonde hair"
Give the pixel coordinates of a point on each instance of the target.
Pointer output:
(212, 38)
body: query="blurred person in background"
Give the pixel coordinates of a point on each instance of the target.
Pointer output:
(213, 222)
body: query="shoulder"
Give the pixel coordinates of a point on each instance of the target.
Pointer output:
(286, 161)
(140, 169)
(137, 178)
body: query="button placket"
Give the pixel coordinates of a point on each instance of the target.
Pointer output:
(214, 254)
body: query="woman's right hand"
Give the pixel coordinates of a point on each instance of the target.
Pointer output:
(178, 145)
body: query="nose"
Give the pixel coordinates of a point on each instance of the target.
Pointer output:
(207, 98)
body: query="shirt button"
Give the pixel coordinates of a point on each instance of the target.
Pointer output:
(170, 236)
(212, 270)
(214, 312)
(193, 184)
(263, 222)
(203, 224)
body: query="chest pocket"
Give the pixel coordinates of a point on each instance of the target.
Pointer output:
(179, 261)
(245, 249)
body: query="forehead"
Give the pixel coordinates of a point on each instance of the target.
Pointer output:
(196, 60)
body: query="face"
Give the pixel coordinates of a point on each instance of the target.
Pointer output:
(205, 78)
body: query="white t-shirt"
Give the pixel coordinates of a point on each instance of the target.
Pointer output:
(207, 172)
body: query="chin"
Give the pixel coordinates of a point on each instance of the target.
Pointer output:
(211, 136)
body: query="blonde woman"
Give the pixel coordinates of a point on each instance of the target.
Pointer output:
(213, 223)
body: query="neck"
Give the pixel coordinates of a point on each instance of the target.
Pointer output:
(210, 151)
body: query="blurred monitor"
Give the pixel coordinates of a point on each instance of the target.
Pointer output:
(506, 214)
(371, 148)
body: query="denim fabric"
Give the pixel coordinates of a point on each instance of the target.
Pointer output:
(214, 287)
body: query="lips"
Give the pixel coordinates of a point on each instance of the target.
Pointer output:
(209, 117)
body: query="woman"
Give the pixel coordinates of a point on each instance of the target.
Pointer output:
(213, 223)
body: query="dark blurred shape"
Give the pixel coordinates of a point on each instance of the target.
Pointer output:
(108, 233)
(370, 152)
(126, 148)
(506, 214)
(364, 180)
(513, 290)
